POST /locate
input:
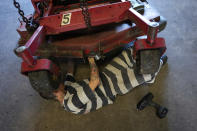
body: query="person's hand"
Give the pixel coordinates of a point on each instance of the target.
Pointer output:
(91, 60)
(60, 93)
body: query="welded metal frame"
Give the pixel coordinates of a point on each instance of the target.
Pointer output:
(50, 24)
(41, 64)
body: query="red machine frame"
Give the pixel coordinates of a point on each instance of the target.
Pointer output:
(101, 14)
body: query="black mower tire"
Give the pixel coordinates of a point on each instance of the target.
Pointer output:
(43, 83)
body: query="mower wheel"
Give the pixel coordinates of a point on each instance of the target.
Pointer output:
(44, 83)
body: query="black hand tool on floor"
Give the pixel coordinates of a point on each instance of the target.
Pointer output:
(161, 111)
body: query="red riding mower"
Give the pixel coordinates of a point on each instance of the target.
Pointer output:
(65, 29)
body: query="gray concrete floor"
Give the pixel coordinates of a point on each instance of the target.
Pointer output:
(176, 86)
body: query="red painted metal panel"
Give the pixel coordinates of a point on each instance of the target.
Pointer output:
(103, 41)
(148, 27)
(42, 64)
(27, 51)
(36, 39)
(100, 14)
(139, 20)
(27, 56)
(142, 44)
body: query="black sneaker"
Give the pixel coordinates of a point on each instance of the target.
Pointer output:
(164, 58)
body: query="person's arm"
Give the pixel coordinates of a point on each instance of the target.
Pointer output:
(94, 74)
(84, 93)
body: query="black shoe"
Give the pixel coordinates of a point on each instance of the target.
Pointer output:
(164, 58)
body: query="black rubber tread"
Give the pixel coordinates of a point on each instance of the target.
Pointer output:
(43, 83)
(149, 61)
(164, 58)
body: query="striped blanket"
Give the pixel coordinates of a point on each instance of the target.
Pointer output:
(118, 78)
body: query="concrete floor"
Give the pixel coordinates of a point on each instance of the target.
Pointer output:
(176, 86)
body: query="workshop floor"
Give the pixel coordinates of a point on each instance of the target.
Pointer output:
(21, 109)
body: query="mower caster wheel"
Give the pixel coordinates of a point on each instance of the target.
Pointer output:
(44, 83)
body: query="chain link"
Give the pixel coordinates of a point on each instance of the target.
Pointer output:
(21, 13)
(83, 6)
(86, 15)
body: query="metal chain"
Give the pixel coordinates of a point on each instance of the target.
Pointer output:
(86, 15)
(21, 13)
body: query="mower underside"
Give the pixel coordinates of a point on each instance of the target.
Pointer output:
(78, 29)
(68, 29)
(100, 39)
